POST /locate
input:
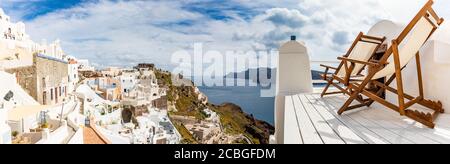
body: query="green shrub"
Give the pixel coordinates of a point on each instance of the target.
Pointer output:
(45, 125)
(14, 133)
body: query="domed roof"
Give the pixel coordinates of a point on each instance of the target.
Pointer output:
(392, 29)
(293, 47)
(386, 28)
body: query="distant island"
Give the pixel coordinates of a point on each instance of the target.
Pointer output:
(316, 75)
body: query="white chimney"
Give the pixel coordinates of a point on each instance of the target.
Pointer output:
(293, 77)
(294, 70)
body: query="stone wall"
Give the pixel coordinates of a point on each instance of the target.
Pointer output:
(160, 103)
(26, 78)
(47, 78)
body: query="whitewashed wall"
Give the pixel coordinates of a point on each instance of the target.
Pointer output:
(5, 130)
(77, 138)
(56, 137)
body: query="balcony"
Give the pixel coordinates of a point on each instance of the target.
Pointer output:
(310, 119)
(303, 117)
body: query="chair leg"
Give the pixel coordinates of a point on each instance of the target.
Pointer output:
(380, 91)
(326, 88)
(348, 102)
(398, 76)
(356, 91)
(419, 74)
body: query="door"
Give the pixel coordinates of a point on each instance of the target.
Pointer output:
(56, 95)
(44, 98)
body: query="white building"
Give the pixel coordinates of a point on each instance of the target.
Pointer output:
(84, 65)
(148, 80)
(12, 31)
(13, 36)
(5, 130)
(16, 44)
(128, 80)
(111, 71)
(127, 83)
(73, 74)
(52, 49)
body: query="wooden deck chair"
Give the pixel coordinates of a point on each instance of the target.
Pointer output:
(362, 49)
(401, 52)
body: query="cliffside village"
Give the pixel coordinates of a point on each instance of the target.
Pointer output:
(50, 97)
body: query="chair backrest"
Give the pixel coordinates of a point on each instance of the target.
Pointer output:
(413, 37)
(363, 48)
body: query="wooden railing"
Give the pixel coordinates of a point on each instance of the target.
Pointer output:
(99, 134)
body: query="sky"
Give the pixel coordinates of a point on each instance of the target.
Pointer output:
(126, 32)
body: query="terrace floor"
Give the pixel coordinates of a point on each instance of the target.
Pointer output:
(310, 119)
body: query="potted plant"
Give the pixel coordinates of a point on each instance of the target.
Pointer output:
(45, 125)
(14, 134)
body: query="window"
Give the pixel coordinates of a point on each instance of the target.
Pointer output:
(56, 95)
(51, 94)
(43, 83)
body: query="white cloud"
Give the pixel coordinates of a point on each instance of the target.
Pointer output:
(286, 17)
(123, 33)
(117, 33)
(326, 26)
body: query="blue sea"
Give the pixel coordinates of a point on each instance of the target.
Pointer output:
(247, 97)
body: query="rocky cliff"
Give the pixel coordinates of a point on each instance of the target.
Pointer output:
(186, 101)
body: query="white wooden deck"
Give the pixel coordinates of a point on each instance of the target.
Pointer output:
(310, 119)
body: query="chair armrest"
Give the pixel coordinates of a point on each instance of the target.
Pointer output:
(358, 62)
(329, 67)
(377, 61)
